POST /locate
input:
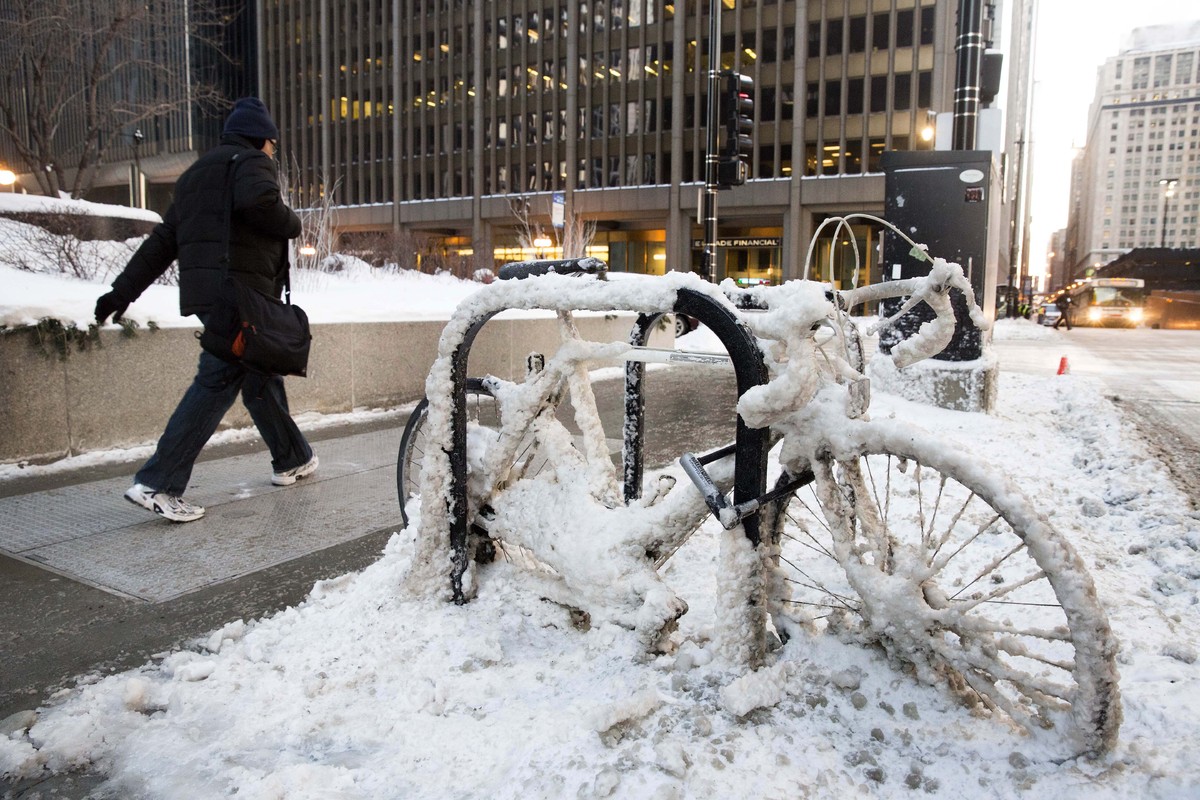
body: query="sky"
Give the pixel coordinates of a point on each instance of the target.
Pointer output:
(1075, 37)
(375, 687)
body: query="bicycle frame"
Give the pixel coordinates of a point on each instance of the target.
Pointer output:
(680, 293)
(674, 292)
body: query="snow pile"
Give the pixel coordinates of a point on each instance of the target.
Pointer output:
(358, 294)
(364, 692)
(369, 689)
(12, 202)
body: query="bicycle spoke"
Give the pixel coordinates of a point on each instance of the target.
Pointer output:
(817, 586)
(812, 544)
(951, 527)
(1023, 652)
(966, 655)
(940, 564)
(999, 671)
(994, 699)
(865, 524)
(967, 605)
(810, 604)
(927, 532)
(990, 567)
(920, 502)
(820, 518)
(977, 624)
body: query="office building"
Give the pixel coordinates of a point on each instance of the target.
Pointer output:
(1138, 179)
(155, 89)
(466, 130)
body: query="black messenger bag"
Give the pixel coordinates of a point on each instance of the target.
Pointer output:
(245, 326)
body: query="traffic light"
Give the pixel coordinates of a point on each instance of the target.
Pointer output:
(737, 115)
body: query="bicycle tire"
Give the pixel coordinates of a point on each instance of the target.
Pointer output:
(948, 567)
(413, 443)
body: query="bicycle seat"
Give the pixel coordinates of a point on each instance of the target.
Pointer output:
(519, 270)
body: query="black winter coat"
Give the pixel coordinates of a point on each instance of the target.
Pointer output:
(192, 230)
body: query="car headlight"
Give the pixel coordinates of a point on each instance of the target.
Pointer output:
(1136, 314)
(1094, 314)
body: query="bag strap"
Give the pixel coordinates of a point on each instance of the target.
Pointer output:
(230, 169)
(227, 215)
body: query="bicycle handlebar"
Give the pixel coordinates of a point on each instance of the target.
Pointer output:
(518, 270)
(933, 289)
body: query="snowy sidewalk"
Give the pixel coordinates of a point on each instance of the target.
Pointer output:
(89, 533)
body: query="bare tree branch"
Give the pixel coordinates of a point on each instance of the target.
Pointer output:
(74, 78)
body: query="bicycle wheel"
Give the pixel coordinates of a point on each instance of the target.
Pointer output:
(482, 410)
(945, 564)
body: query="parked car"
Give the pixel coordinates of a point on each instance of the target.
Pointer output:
(685, 324)
(1048, 314)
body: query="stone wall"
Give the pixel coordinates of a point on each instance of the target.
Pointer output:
(120, 394)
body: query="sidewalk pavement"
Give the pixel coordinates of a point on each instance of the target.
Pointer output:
(94, 583)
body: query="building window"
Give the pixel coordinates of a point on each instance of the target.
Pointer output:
(1162, 71)
(902, 92)
(858, 34)
(833, 98)
(924, 90)
(880, 31)
(854, 96)
(927, 25)
(904, 28)
(833, 37)
(878, 93)
(1141, 73)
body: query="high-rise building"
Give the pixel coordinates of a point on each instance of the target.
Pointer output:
(148, 70)
(1138, 178)
(475, 128)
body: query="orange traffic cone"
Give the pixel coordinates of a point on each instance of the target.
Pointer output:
(1063, 366)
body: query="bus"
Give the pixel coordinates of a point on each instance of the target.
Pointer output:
(1108, 302)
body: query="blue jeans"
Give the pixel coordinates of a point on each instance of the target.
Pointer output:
(198, 414)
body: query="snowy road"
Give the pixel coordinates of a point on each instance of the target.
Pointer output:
(1154, 375)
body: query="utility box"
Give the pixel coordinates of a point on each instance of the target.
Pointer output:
(950, 201)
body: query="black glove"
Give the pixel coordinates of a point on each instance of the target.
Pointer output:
(110, 303)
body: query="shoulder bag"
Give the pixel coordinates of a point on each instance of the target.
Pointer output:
(245, 326)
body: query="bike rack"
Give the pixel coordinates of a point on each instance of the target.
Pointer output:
(750, 445)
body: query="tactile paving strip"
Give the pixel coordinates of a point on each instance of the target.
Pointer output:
(91, 533)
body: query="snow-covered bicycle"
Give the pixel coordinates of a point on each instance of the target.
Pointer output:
(874, 529)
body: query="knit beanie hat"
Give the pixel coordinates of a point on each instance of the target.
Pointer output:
(250, 118)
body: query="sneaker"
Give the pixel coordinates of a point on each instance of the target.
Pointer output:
(290, 476)
(141, 495)
(168, 506)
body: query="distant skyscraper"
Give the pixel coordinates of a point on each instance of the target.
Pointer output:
(1139, 178)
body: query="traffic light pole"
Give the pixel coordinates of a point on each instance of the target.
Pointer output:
(708, 201)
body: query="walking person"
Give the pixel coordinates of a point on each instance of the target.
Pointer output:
(1063, 304)
(239, 173)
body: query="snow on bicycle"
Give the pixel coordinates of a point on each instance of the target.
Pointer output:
(829, 521)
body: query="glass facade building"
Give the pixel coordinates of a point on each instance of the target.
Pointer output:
(464, 123)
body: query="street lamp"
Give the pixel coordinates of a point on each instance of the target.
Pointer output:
(1168, 185)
